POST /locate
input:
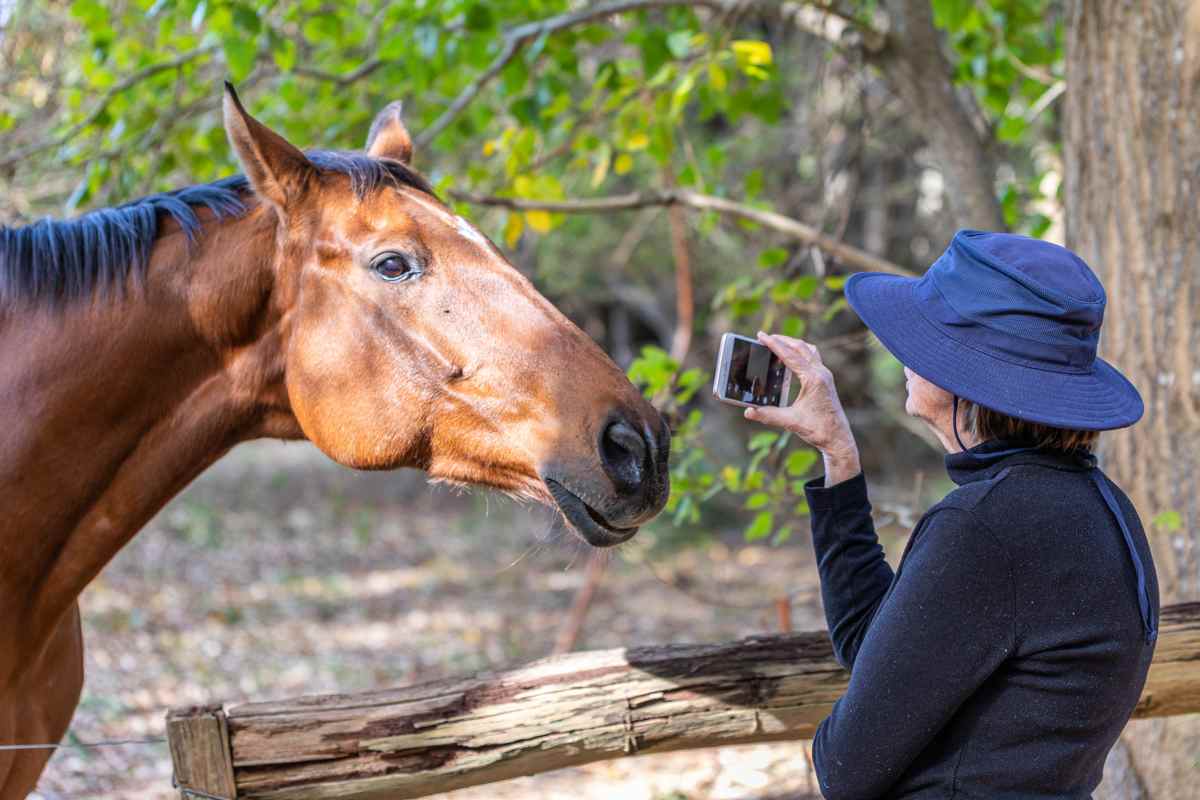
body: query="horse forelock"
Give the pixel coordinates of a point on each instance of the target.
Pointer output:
(57, 261)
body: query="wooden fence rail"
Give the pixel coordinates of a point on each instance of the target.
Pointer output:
(558, 712)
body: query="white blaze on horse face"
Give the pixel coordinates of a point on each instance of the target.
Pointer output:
(468, 232)
(460, 225)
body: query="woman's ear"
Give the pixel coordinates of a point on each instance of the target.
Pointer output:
(276, 169)
(388, 137)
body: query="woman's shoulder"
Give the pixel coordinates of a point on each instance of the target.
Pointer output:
(952, 528)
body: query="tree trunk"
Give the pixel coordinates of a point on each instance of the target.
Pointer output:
(558, 712)
(1132, 154)
(912, 62)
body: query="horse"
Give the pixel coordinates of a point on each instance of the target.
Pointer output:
(320, 295)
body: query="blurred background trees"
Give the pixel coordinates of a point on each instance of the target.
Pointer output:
(571, 130)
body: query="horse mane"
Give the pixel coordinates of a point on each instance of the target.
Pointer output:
(57, 261)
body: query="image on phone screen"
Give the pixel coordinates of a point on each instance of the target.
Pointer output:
(755, 374)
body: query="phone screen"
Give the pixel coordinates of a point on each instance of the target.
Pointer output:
(755, 374)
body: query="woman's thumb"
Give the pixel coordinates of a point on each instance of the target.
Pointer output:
(767, 415)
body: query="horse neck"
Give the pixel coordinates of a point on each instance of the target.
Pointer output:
(115, 405)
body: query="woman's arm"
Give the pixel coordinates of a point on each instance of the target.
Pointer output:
(946, 625)
(854, 575)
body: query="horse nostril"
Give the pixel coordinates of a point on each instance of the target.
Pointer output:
(623, 454)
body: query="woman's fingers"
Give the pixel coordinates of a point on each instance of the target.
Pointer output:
(792, 357)
(796, 354)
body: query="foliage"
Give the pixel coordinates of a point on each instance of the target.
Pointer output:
(111, 99)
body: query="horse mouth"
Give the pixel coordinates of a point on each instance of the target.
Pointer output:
(585, 520)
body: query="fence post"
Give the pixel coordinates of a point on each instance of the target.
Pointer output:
(199, 740)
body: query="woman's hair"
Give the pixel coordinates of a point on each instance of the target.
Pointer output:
(988, 424)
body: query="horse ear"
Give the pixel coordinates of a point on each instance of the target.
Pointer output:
(388, 137)
(276, 168)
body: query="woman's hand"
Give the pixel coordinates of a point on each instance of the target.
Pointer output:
(816, 416)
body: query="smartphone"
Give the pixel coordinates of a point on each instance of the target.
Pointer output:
(749, 374)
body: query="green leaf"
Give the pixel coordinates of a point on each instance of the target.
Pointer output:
(689, 382)
(782, 292)
(246, 19)
(763, 440)
(682, 511)
(655, 51)
(782, 535)
(283, 51)
(754, 480)
(772, 257)
(754, 183)
(240, 55)
(757, 500)
(1169, 520)
(479, 18)
(679, 43)
(717, 81)
(1011, 129)
(683, 91)
(292, 95)
(1038, 224)
(792, 326)
(800, 461)
(950, 14)
(91, 13)
(760, 528)
(322, 27)
(745, 307)
(603, 160)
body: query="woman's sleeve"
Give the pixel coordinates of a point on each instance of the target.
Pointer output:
(854, 574)
(945, 627)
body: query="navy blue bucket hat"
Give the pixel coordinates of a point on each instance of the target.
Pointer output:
(1009, 322)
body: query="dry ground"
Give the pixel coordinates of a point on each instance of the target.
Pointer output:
(279, 573)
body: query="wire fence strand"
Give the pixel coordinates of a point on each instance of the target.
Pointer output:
(81, 745)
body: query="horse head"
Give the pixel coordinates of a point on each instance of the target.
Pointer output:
(411, 341)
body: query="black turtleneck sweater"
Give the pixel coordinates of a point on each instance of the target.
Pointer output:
(1006, 653)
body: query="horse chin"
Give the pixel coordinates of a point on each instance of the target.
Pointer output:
(588, 523)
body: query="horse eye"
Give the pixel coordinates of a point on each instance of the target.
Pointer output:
(393, 267)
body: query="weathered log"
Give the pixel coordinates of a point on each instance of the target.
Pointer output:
(578, 708)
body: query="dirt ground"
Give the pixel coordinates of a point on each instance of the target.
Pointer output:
(279, 573)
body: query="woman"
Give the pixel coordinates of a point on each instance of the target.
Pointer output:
(1009, 649)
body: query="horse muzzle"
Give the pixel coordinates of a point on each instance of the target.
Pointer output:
(606, 511)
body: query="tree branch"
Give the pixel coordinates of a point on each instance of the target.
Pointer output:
(358, 73)
(121, 86)
(847, 254)
(685, 311)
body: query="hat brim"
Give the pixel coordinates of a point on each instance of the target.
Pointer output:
(1102, 399)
